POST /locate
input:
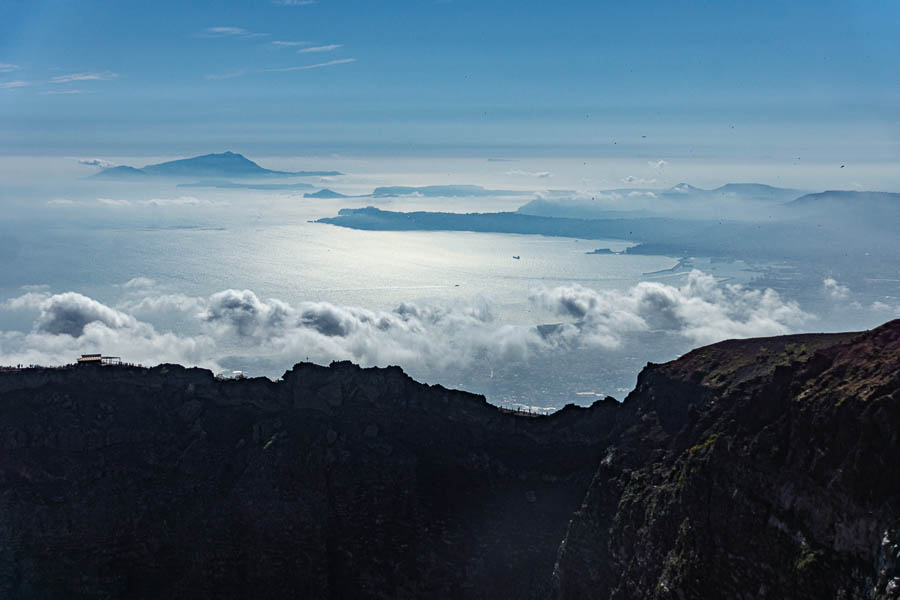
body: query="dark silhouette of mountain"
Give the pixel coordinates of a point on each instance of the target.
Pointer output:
(684, 188)
(750, 468)
(325, 193)
(845, 200)
(746, 465)
(759, 191)
(857, 212)
(121, 172)
(226, 164)
(732, 200)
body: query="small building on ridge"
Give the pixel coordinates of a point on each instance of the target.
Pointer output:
(99, 359)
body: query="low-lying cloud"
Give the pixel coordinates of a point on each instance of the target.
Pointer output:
(522, 173)
(70, 324)
(69, 313)
(123, 203)
(700, 310)
(424, 337)
(835, 290)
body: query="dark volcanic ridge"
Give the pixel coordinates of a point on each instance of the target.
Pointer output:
(225, 165)
(750, 468)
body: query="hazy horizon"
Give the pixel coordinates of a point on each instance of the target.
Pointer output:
(577, 173)
(807, 81)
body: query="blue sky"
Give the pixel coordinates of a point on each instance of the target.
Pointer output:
(461, 77)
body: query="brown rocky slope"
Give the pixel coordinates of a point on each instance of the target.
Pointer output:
(754, 468)
(765, 468)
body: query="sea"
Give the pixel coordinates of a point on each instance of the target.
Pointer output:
(105, 240)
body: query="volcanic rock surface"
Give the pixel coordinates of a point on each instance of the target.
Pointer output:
(762, 468)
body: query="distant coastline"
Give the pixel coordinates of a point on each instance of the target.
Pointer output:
(657, 236)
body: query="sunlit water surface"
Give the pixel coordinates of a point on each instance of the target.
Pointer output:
(93, 237)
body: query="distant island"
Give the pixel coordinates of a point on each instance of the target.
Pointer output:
(879, 208)
(427, 191)
(325, 193)
(226, 164)
(797, 237)
(734, 200)
(603, 251)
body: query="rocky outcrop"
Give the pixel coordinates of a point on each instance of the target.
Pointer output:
(749, 469)
(756, 468)
(341, 482)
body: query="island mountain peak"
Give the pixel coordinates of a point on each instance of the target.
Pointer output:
(224, 164)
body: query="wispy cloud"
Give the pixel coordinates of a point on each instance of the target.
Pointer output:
(538, 174)
(230, 32)
(104, 76)
(113, 202)
(8, 85)
(283, 44)
(295, 2)
(139, 282)
(96, 162)
(231, 75)
(8, 67)
(226, 30)
(327, 48)
(179, 201)
(62, 92)
(330, 63)
(632, 180)
(835, 289)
